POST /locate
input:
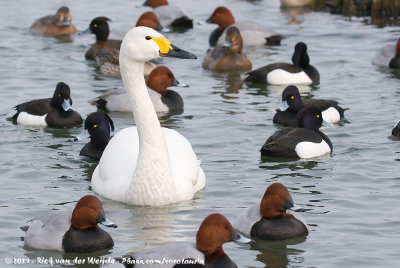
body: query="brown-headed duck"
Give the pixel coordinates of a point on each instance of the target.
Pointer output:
(163, 99)
(54, 25)
(229, 56)
(75, 231)
(253, 34)
(274, 218)
(214, 231)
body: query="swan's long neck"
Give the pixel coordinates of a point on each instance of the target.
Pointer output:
(153, 172)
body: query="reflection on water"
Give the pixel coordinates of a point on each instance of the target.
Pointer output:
(293, 13)
(278, 253)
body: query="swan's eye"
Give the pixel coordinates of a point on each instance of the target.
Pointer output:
(148, 37)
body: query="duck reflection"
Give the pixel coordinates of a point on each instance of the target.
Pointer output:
(277, 253)
(293, 14)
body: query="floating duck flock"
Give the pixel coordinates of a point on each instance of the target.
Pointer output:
(151, 165)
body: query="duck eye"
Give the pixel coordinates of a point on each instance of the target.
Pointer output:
(317, 115)
(95, 25)
(59, 94)
(292, 97)
(148, 37)
(94, 125)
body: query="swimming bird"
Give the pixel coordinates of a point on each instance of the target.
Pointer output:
(300, 72)
(253, 34)
(147, 164)
(98, 127)
(169, 15)
(303, 141)
(75, 231)
(274, 218)
(292, 103)
(388, 56)
(214, 231)
(54, 25)
(100, 28)
(53, 112)
(163, 99)
(106, 52)
(229, 56)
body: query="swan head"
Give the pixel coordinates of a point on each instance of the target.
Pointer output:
(142, 44)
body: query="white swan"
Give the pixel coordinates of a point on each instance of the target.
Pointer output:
(147, 164)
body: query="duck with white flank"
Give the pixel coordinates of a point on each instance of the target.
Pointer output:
(292, 103)
(303, 141)
(300, 72)
(53, 112)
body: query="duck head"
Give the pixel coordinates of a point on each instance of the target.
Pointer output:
(290, 100)
(62, 17)
(276, 201)
(233, 40)
(310, 117)
(214, 231)
(160, 79)
(142, 44)
(98, 127)
(99, 27)
(155, 3)
(88, 213)
(300, 56)
(223, 17)
(62, 97)
(149, 19)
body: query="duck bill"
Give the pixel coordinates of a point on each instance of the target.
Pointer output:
(176, 83)
(169, 50)
(297, 208)
(84, 135)
(108, 223)
(84, 32)
(283, 107)
(66, 105)
(237, 237)
(326, 124)
(66, 22)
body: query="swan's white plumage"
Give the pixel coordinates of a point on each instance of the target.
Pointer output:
(47, 231)
(384, 55)
(146, 164)
(253, 34)
(118, 101)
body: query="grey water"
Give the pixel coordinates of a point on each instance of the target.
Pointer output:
(353, 194)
